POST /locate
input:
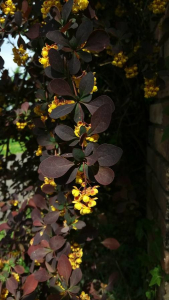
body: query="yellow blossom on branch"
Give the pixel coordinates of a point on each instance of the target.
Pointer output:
(8, 7)
(44, 60)
(83, 200)
(84, 296)
(158, 6)
(46, 6)
(21, 125)
(131, 72)
(20, 55)
(119, 60)
(93, 138)
(56, 102)
(39, 151)
(75, 257)
(150, 89)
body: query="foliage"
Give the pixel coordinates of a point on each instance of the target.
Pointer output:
(52, 109)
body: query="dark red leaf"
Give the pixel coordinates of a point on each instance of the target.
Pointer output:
(39, 201)
(97, 41)
(25, 106)
(86, 84)
(75, 277)
(24, 6)
(11, 285)
(108, 155)
(64, 267)
(62, 110)
(66, 10)
(79, 114)
(51, 217)
(19, 269)
(101, 119)
(33, 32)
(48, 189)
(56, 242)
(39, 253)
(105, 176)
(30, 285)
(61, 87)
(111, 243)
(112, 279)
(65, 132)
(96, 103)
(41, 275)
(83, 31)
(18, 18)
(4, 226)
(74, 64)
(55, 166)
(56, 61)
(57, 37)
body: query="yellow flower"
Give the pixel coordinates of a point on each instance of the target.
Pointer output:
(44, 118)
(150, 89)
(8, 7)
(78, 79)
(83, 200)
(4, 294)
(16, 276)
(20, 125)
(44, 60)
(80, 177)
(131, 72)
(84, 296)
(158, 6)
(93, 138)
(14, 202)
(46, 6)
(37, 110)
(75, 256)
(20, 55)
(79, 5)
(39, 151)
(119, 60)
(2, 20)
(56, 102)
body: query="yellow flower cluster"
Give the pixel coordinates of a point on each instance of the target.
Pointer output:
(78, 79)
(93, 138)
(39, 151)
(20, 125)
(48, 181)
(44, 60)
(16, 276)
(75, 257)
(80, 177)
(150, 89)
(119, 60)
(20, 55)
(137, 46)
(2, 20)
(8, 7)
(56, 102)
(46, 6)
(120, 11)
(158, 6)
(84, 296)
(79, 5)
(4, 294)
(37, 110)
(83, 199)
(43, 118)
(131, 72)
(14, 202)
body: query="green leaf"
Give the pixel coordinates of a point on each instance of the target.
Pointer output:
(2, 234)
(150, 294)
(165, 133)
(156, 276)
(78, 154)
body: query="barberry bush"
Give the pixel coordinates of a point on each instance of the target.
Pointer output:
(76, 56)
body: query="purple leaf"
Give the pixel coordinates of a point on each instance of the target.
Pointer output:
(79, 114)
(30, 285)
(74, 289)
(39, 253)
(25, 106)
(33, 32)
(97, 41)
(39, 201)
(75, 277)
(83, 31)
(55, 166)
(41, 275)
(19, 269)
(74, 64)
(4, 226)
(48, 189)
(57, 37)
(111, 243)
(66, 10)
(105, 176)
(56, 242)
(11, 285)
(18, 18)
(64, 267)
(86, 84)
(55, 60)
(65, 132)
(108, 155)
(101, 119)
(51, 217)
(61, 87)
(62, 110)
(98, 102)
